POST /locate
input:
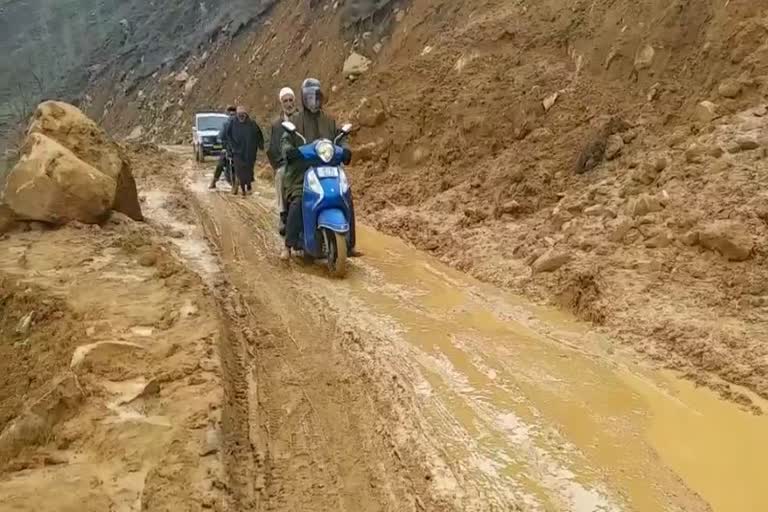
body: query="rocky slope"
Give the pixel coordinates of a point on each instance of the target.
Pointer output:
(56, 48)
(606, 155)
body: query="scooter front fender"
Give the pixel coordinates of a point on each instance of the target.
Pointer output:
(333, 219)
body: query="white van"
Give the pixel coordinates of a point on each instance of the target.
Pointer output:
(205, 134)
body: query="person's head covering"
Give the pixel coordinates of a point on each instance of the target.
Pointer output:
(286, 91)
(312, 95)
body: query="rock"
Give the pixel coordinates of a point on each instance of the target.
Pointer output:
(643, 205)
(190, 85)
(120, 219)
(371, 117)
(511, 207)
(181, 76)
(644, 57)
(729, 88)
(623, 227)
(729, 239)
(148, 259)
(706, 111)
(7, 219)
(695, 153)
(550, 100)
(25, 324)
(399, 15)
(377, 48)
(50, 184)
(629, 136)
(747, 143)
(75, 131)
(613, 147)
(135, 134)
(659, 241)
(540, 135)
(356, 65)
(715, 151)
(212, 442)
(550, 261)
(599, 210)
(691, 238)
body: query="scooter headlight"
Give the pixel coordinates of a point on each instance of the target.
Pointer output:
(343, 182)
(325, 151)
(314, 183)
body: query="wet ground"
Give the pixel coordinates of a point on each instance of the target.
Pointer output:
(507, 403)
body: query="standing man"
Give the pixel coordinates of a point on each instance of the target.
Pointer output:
(245, 138)
(275, 153)
(231, 111)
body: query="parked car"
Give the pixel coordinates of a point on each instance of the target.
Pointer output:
(205, 134)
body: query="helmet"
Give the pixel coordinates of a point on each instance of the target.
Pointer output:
(312, 95)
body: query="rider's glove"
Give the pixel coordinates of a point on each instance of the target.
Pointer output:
(346, 156)
(292, 155)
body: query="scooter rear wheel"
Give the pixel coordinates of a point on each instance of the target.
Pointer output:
(336, 245)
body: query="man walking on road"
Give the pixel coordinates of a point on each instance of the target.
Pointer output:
(231, 111)
(275, 153)
(245, 139)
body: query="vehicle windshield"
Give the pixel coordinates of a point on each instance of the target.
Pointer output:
(206, 123)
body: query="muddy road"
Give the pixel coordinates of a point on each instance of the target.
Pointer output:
(408, 385)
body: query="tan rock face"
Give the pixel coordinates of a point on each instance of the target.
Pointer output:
(51, 184)
(68, 126)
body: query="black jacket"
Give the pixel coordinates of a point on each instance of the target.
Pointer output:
(223, 132)
(245, 139)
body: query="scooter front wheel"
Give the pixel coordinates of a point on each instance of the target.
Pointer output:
(336, 246)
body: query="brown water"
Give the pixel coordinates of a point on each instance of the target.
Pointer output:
(544, 413)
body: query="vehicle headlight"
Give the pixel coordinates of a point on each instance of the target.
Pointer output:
(325, 151)
(314, 183)
(343, 182)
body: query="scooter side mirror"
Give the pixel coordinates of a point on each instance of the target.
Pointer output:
(289, 126)
(346, 128)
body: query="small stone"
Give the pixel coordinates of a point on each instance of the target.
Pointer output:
(643, 205)
(509, 208)
(25, 324)
(659, 241)
(540, 135)
(715, 151)
(706, 111)
(549, 101)
(729, 239)
(212, 442)
(613, 147)
(599, 210)
(729, 88)
(356, 65)
(695, 154)
(690, 239)
(644, 57)
(747, 143)
(550, 261)
(623, 227)
(148, 259)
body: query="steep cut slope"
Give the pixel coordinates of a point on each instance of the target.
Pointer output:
(55, 48)
(558, 149)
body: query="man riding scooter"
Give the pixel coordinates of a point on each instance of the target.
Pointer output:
(313, 124)
(224, 166)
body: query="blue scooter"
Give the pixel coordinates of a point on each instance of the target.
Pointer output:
(326, 201)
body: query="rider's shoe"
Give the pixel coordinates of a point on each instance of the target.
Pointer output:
(212, 186)
(354, 253)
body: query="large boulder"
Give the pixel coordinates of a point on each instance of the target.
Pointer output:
(72, 129)
(50, 184)
(729, 239)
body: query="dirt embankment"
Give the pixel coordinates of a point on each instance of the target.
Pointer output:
(606, 156)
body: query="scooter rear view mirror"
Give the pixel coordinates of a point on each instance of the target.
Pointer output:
(346, 128)
(289, 126)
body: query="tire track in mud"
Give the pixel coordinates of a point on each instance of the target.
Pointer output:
(303, 431)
